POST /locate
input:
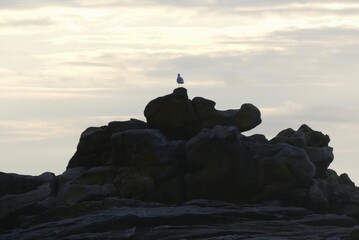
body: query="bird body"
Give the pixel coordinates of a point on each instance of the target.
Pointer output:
(179, 79)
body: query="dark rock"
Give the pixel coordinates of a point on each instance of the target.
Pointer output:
(97, 176)
(344, 194)
(11, 183)
(94, 148)
(321, 157)
(318, 196)
(34, 201)
(177, 117)
(140, 148)
(235, 168)
(245, 118)
(174, 115)
(303, 137)
(132, 183)
(70, 174)
(291, 137)
(157, 165)
(314, 138)
(118, 166)
(79, 184)
(71, 194)
(345, 179)
(259, 138)
(354, 235)
(332, 177)
(193, 220)
(213, 165)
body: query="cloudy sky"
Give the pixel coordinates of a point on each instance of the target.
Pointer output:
(66, 65)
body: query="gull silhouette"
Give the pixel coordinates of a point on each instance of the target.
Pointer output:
(180, 80)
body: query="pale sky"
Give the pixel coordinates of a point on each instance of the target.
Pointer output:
(66, 65)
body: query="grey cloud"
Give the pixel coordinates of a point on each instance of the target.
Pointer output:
(85, 64)
(217, 4)
(252, 3)
(19, 4)
(327, 34)
(40, 22)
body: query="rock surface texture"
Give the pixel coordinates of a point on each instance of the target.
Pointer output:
(188, 173)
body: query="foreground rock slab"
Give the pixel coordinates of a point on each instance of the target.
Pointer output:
(130, 219)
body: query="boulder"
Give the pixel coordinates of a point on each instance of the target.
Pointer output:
(213, 167)
(131, 183)
(140, 148)
(345, 179)
(321, 157)
(70, 194)
(94, 148)
(79, 184)
(180, 118)
(223, 164)
(318, 196)
(303, 137)
(295, 138)
(245, 118)
(33, 201)
(11, 183)
(174, 115)
(157, 165)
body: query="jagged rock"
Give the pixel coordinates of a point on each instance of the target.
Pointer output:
(213, 165)
(177, 117)
(332, 177)
(318, 196)
(70, 174)
(140, 148)
(94, 148)
(314, 138)
(313, 142)
(79, 184)
(345, 179)
(27, 203)
(159, 164)
(259, 138)
(11, 183)
(321, 157)
(344, 194)
(303, 137)
(234, 168)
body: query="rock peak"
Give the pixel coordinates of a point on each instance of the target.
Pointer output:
(180, 92)
(178, 117)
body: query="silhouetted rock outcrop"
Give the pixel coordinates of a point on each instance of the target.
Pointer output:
(94, 148)
(137, 180)
(177, 117)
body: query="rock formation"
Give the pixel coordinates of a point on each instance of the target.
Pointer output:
(137, 180)
(180, 118)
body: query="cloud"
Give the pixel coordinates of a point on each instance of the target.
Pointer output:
(23, 22)
(34, 130)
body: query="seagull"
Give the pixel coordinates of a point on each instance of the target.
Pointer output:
(179, 80)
